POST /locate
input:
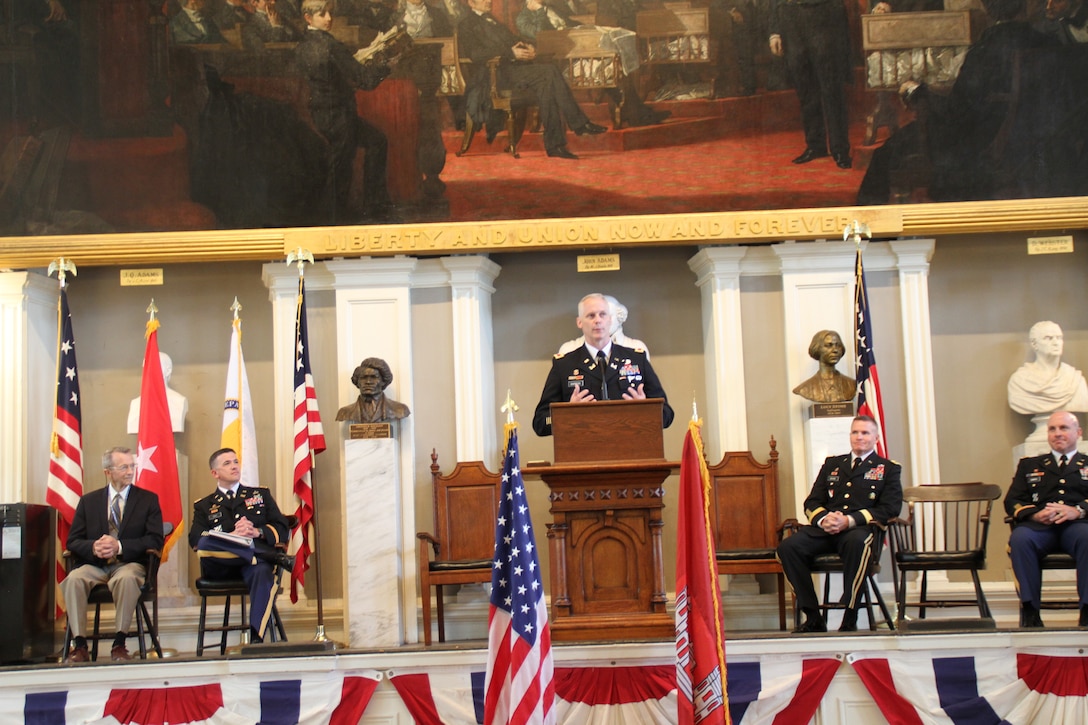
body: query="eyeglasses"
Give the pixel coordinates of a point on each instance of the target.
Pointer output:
(125, 467)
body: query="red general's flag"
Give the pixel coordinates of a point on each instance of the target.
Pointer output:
(156, 459)
(65, 484)
(309, 441)
(700, 635)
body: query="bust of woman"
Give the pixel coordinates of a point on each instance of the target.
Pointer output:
(828, 385)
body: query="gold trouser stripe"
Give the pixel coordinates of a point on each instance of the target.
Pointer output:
(222, 555)
(859, 578)
(268, 608)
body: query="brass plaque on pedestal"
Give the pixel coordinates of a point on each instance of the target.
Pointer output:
(833, 410)
(370, 430)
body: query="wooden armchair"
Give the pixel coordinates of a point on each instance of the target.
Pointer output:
(466, 504)
(744, 515)
(516, 107)
(946, 529)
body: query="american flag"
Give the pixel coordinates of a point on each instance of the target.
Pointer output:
(869, 402)
(518, 686)
(65, 484)
(700, 633)
(309, 441)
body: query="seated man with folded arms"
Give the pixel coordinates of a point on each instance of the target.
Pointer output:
(1048, 501)
(112, 530)
(851, 502)
(480, 38)
(598, 370)
(250, 513)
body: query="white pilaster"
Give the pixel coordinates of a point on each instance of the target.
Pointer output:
(471, 280)
(913, 257)
(717, 272)
(373, 319)
(28, 325)
(817, 294)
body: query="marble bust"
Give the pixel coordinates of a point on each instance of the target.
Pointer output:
(372, 377)
(1047, 384)
(618, 312)
(178, 404)
(828, 385)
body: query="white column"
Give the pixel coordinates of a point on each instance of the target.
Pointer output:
(912, 256)
(471, 280)
(717, 272)
(817, 294)
(28, 382)
(373, 319)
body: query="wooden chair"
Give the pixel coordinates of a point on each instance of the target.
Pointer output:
(676, 35)
(515, 106)
(466, 505)
(583, 64)
(147, 623)
(831, 564)
(946, 529)
(744, 515)
(230, 588)
(452, 83)
(1054, 561)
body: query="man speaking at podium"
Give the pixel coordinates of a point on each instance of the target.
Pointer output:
(598, 370)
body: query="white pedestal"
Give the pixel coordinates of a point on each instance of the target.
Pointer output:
(371, 557)
(175, 586)
(824, 437)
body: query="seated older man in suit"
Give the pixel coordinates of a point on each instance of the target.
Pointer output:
(481, 37)
(111, 532)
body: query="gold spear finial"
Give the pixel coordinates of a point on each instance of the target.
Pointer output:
(301, 255)
(694, 408)
(152, 310)
(854, 231)
(509, 407)
(236, 308)
(62, 267)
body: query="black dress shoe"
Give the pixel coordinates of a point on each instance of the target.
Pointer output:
(849, 621)
(650, 118)
(843, 161)
(812, 624)
(1029, 617)
(588, 127)
(287, 561)
(561, 152)
(809, 155)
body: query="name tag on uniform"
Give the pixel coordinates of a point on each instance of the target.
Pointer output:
(575, 380)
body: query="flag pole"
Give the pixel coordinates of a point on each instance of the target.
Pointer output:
(300, 257)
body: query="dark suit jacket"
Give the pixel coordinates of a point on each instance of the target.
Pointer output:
(332, 71)
(626, 368)
(481, 38)
(183, 30)
(141, 526)
(259, 30)
(1038, 481)
(871, 494)
(217, 512)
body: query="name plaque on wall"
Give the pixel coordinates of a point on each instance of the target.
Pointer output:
(370, 430)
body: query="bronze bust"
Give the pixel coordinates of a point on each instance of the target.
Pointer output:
(372, 377)
(828, 385)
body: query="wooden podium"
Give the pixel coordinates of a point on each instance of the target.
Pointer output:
(607, 574)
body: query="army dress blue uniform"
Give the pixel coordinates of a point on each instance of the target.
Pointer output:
(222, 559)
(871, 494)
(1038, 481)
(626, 368)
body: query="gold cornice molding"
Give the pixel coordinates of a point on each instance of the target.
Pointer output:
(545, 234)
